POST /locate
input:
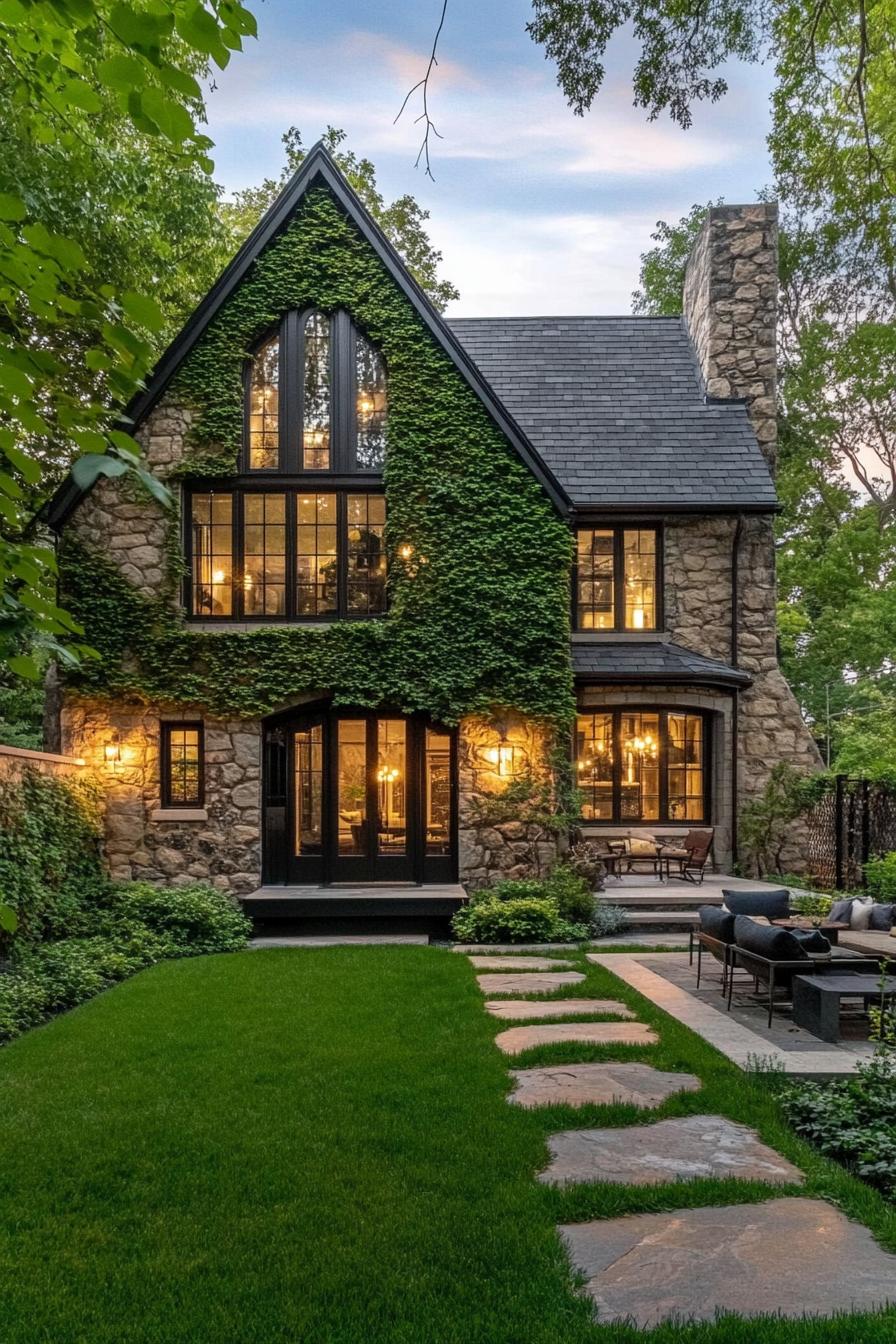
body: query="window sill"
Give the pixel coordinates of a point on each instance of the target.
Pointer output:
(225, 627)
(614, 636)
(179, 814)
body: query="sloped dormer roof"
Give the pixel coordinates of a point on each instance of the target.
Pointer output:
(615, 408)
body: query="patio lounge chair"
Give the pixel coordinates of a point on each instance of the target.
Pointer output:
(716, 934)
(692, 856)
(774, 956)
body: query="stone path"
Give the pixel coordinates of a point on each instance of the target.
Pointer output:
(598, 1084)
(519, 964)
(792, 1257)
(668, 1150)
(517, 1039)
(518, 1010)
(528, 984)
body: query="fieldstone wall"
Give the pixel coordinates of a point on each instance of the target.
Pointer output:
(219, 843)
(730, 307)
(491, 848)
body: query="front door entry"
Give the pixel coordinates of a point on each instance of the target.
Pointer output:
(357, 798)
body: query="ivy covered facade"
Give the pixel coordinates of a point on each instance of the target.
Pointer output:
(390, 591)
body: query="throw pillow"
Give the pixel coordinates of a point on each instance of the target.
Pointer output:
(840, 911)
(860, 916)
(644, 848)
(881, 920)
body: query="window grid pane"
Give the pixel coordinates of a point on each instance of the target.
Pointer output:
(264, 408)
(366, 556)
(596, 585)
(371, 406)
(685, 767)
(309, 767)
(639, 746)
(317, 584)
(391, 786)
(316, 385)
(594, 765)
(183, 767)
(264, 555)
(212, 545)
(437, 788)
(639, 550)
(642, 766)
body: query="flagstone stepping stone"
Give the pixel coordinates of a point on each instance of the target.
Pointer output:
(533, 983)
(517, 1039)
(598, 1084)
(517, 1010)
(787, 1257)
(519, 964)
(668, 1150)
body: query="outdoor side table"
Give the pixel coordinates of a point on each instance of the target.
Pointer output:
(816, 999)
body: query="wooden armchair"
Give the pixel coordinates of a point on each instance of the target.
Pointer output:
(692, 857)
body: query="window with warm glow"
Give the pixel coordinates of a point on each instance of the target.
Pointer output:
(287, 554)
(642, 765)
(316, 399)
(617, 578)
(181, 760)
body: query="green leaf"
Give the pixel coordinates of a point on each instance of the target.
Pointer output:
(122, 72)
(77, 93)
(11, 207)
(143, 310)
(86, 469)
(24, 666)
(23, 463)
(9, 920)
(156, 488)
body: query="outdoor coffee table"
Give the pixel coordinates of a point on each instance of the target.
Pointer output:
(831, 928)
(816, 999)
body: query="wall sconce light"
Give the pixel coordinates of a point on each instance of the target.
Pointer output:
(505, 760)
(112, 751)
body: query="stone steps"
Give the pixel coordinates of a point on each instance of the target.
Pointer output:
(660, 900)
(663, 919)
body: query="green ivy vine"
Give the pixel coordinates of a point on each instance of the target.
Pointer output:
(484, 623)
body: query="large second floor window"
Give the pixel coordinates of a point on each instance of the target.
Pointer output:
(316, 398)
(293, 554)
(617, 578)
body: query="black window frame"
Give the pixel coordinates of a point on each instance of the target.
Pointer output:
(619, 529)
(662, 711)
(343, 397)
(167, 727)
(320, 483)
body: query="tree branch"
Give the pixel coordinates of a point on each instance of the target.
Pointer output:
(429, 124)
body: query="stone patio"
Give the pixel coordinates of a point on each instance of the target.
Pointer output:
(517, 1039)
(522, 983)
(598, 1085)
(743, 1034)
(518, 1010)
(667, 1150)
(789, 1257)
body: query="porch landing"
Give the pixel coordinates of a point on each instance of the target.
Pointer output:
(373, 908)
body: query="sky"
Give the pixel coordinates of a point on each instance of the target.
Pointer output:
(535, 210)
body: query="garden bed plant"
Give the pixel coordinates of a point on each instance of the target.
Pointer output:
(559, 908)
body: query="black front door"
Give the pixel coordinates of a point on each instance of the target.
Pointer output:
(359, 797)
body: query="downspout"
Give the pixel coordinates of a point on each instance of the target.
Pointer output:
(735, 660)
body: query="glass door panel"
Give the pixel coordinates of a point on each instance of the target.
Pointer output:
(351, 787)
(391, 786)
(309, 784)
(437, 791)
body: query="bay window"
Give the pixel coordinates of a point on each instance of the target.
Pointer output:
(643, 765)
(286, 554)
(617, 578)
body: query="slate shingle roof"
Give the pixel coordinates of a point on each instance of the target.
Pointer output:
(643, 660)
(614, 407)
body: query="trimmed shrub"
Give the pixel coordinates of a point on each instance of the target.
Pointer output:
(195, 918)
(608, 919)
(521, 920)
(574, 897)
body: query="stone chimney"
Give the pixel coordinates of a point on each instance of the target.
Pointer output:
(730, 304)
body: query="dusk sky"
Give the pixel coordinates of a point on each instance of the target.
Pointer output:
(536, 210)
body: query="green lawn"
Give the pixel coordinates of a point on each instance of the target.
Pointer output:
(314, 1146)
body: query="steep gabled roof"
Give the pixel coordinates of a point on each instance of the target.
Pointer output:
(615, 408)
(318, 168)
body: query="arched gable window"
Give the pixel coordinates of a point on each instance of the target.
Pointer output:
(317, 399)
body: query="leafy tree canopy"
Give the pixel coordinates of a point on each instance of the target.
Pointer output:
(403, 221)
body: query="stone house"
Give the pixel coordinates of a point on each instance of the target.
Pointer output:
(412, 564)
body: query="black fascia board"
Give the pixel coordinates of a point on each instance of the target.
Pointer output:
(318, 165)
(719, 680)
(585, 512)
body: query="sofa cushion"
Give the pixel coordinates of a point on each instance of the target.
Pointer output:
(718, 923)
(840, 911)
(768, 941)
(642, 847)
(860, 915)
(773, 904)
(813, 942)
(881, 920)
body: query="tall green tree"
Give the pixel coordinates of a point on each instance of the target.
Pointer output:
(103, 109)
(403, 221)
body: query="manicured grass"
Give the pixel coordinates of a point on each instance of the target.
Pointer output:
(314, 1146)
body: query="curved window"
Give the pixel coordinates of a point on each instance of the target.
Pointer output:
(264, 408)
(643, 765)
(316, 393)
(316, 399)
